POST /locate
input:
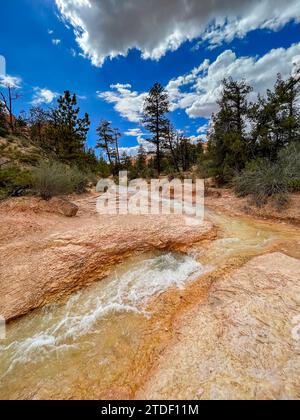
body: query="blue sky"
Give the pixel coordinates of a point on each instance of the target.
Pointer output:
(119, 53)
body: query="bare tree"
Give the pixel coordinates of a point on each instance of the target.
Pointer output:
(8, 98)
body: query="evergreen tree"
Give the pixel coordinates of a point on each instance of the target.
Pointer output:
(171, 144)
(103, 168)
(276, 120)
(155, 109)
(38, 121)
(228, 143)
(126, 162)
(106, 139)
(117, 136)
(67, 131)
(141, 162)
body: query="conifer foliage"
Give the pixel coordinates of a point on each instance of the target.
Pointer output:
(155, 109)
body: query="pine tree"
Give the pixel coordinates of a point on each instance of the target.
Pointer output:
(39, 121)
(126, 162)
(67, 131)
(171, 144)
(141, 161)
(155, 109)
(106, 139)
(276, 119)
(117, 135)
(228, 143)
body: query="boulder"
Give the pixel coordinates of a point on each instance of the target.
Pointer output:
(63, 206)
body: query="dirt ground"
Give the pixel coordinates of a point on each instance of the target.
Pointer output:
(225, 200)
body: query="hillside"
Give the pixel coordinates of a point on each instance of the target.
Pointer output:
(19, 151)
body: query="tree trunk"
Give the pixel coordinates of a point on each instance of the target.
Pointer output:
(173, 156)
(108, 152)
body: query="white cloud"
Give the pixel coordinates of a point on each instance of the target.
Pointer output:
(50, 31)
(199, 98)
(198, 91)
(203, 129)
(200, 138)
(56, 41)
(128, 103)
(129, 151)
(108, 28)
(10, 81)
(133, 151)
(73, 52)
(43, 96)
(134, 132)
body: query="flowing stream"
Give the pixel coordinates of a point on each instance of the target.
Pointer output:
(101, 342)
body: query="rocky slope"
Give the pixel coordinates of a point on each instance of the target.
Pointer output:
(19, 151)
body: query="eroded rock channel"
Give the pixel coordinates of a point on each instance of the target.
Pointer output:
(191, 313)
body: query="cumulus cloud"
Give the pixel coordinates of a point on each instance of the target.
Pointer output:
(128, 103)
(108, 28)
(10, 81)
(133, 151)
(198, 91)
(43, 96)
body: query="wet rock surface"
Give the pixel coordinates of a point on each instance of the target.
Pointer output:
(46, 256)
(241, 343)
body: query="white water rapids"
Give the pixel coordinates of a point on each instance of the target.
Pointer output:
(58, 331)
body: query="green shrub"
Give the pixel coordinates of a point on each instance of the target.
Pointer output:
(289, 160)
(79, 180)
(14, 181)
(262, 179)
(294, 185)
(55, 178)
(50, 179)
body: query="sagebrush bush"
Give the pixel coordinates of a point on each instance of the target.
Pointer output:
(263, 179)
(294, 185)
(55, 178)
(14, 181)
(80, 180)
(289, 160)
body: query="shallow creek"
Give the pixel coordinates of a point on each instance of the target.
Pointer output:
(103, 340)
